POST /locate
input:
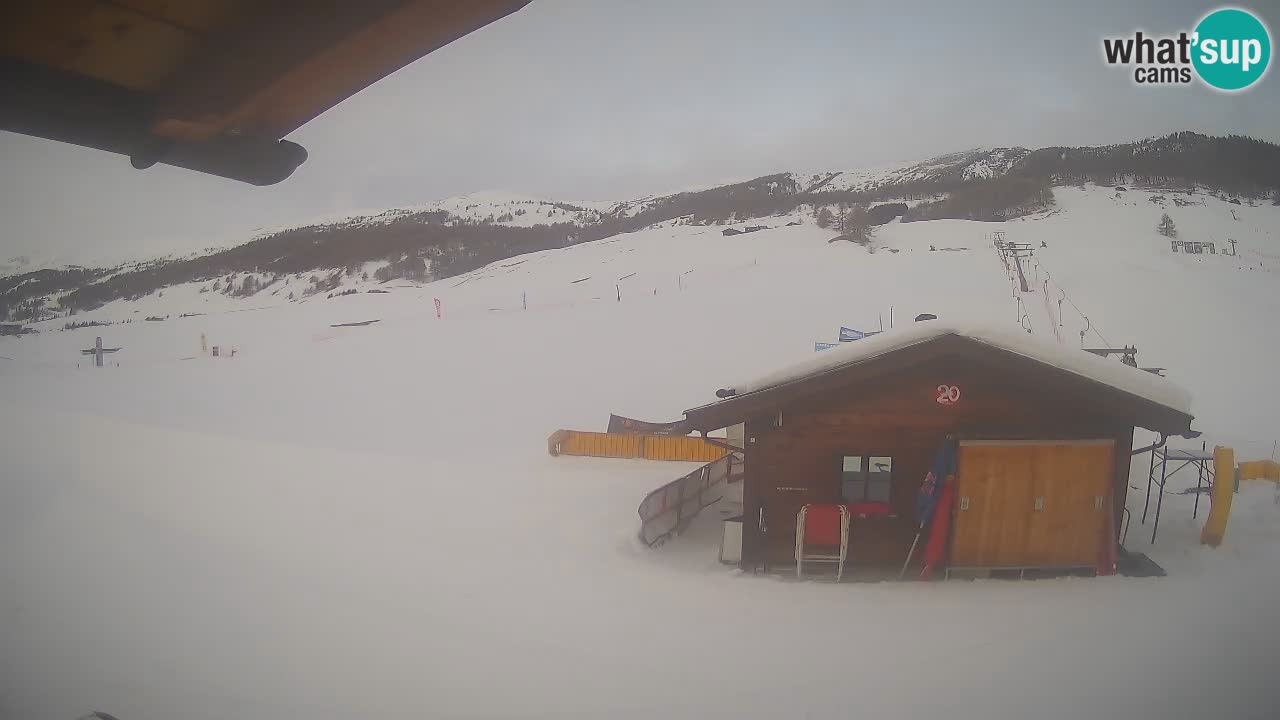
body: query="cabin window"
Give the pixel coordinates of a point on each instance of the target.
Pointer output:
(866, 479)
(853, 481)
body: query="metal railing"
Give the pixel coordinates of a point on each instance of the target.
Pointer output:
(667, 511)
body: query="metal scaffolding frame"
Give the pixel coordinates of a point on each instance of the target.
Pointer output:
(1201, 460)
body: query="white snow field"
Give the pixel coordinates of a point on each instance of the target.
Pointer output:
(365, 522)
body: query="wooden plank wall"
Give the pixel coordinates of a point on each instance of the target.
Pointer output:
(799, 462)
(1001, 481)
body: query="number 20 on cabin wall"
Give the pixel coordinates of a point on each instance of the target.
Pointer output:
(948, 394)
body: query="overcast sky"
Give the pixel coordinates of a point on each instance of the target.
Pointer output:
(609, 99)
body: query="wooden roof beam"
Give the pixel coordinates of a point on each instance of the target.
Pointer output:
(278, 69)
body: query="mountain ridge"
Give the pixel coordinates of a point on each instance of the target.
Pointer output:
(450, 236)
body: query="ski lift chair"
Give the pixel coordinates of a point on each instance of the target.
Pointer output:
(822, 536)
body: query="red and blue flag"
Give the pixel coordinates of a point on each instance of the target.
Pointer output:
(944, 464)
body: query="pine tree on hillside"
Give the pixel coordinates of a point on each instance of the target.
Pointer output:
(1276, 199)
(1166, 227)
(858, 227)
(825, 218)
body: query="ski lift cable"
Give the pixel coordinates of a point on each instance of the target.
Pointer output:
(1054, 322)
(1095, 330)
(1063, 296)
(1079, 312)
(1024, 318)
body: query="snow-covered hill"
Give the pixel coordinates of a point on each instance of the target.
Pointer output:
(517, 210)
(371, 509)
(443, 238)
(1101, 256)
(967, 165)
(522, 211)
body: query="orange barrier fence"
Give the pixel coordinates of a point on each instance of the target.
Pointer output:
(647, 447)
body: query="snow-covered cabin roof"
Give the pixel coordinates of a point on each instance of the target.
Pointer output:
(1111, 373)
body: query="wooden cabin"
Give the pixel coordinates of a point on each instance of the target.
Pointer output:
(1044, 434)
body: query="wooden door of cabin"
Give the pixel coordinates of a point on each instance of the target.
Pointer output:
(1072, 483)
(1030, 503)
(993, 494)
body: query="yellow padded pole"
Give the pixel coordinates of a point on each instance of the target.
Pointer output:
(1224, 482)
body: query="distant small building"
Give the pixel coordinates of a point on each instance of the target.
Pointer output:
(748, 229)
(881, 214)
(1193, 247)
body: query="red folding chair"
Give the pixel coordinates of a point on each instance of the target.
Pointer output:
(825, 528)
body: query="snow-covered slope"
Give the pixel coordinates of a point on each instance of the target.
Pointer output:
(1102, 252)
(967, 165)
(504, 208)
(371, 510)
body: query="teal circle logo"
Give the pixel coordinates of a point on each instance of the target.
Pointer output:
(1232, 49)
